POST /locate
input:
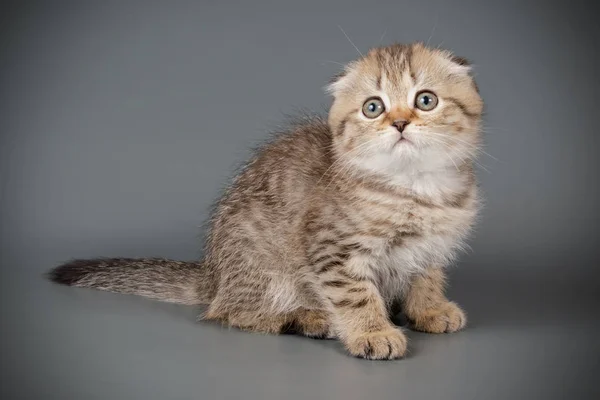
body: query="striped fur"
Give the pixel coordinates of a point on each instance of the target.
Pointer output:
(336, 221)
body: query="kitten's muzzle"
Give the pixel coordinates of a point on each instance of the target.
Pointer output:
(400, 124)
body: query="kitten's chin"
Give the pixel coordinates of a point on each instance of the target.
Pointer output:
(404, 150)
(403, 141)
(393, 162)
(398, 155)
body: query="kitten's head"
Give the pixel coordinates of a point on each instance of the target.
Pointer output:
(405, 106)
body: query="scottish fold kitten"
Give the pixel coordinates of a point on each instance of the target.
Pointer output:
(339, 220)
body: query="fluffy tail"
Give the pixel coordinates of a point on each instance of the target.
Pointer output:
(166, 280)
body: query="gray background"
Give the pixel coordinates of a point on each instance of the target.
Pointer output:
(120, 123)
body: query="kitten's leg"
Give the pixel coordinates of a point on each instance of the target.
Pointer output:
(359, 313)
(271, 324)
(240, 301)
(427, 307)
(243, 302)
(312, 323)
(251, 320)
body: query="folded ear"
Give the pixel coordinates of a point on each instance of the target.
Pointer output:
(460, 65)
(463, 66)
(342, 80)
(335, 81)
(461, 60)
(338, 82)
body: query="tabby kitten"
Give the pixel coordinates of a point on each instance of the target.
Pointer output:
(336, 222)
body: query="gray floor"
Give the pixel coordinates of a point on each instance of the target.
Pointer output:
(526, 340)
(121, 120)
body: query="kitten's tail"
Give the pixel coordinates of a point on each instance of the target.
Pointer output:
(167, 280)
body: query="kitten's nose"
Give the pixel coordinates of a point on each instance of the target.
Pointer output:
(400, 124)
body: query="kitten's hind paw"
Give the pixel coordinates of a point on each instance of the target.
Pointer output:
(313, 323)
(446, 318)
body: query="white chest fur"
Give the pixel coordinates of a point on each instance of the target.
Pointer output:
(440, 233)
(413, 234)
(393, 269)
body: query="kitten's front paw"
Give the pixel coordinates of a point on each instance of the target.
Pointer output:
(446, 318)
(382, 345)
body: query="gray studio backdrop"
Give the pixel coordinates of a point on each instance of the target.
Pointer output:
(120, 123)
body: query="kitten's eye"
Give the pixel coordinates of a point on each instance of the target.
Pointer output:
(426, 101)
(373, 107)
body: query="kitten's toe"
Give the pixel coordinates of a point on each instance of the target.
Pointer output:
(446, 318)
(383, 345)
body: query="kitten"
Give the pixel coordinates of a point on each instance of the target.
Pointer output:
(336, 222)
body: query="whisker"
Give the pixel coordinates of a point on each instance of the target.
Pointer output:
(448, 154)
(442, 139)
(347, 166)
(437, 18)
(382, 36)
(352, 43)
(334, 62)
(464, 142)
(342, 159)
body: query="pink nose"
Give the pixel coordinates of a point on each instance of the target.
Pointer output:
(400, 124)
